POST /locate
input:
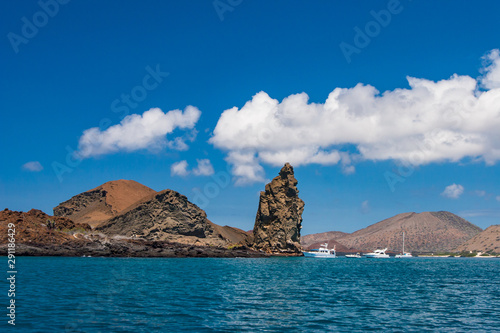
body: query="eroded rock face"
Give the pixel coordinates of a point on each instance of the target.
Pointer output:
(279, 217)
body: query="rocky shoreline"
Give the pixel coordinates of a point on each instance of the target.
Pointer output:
(132, 248)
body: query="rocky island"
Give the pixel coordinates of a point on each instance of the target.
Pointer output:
(124, 218)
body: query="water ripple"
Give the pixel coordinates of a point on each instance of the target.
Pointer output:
(264, 295)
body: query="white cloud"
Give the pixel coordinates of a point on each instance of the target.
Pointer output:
(453, 191)
(480, 193)
(33, 166)
(246, 168)
(444, 121)
(135, 132)
(491, 79)
(204, 168)
(179, 169)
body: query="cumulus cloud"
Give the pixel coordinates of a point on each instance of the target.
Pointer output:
(491, 79)
(33, 166)
(246, 168)
(443, 121)
(204, 168)
(179, 169)
(135, 132)
(453, 191)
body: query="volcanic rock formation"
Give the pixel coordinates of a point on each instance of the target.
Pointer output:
(279, 217)
(103, 202)
(169, 216)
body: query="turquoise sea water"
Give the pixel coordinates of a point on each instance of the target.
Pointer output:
(256, 295)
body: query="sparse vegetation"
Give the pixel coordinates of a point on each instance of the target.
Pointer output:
(232, 246)
(51, 224)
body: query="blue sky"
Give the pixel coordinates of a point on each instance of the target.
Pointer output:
(385, 127)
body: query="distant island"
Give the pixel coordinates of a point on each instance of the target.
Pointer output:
(125, 218)
(426, 232)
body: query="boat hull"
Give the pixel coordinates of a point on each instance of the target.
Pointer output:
(318, 255)
(376, 255)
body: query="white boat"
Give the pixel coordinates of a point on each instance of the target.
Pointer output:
(377, 254)
(322, 252)
(403, 253)
(357, 255)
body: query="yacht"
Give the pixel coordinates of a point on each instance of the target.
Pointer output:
(322, 252)
(403, 253)
(377, 254)
(357, 255)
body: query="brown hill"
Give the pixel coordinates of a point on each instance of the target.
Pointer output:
(169, 216)
(486, 241)
(37, 228)
(424, 232)
(103, 202)
(323, 237)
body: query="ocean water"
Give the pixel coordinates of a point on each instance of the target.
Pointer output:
(55, 294)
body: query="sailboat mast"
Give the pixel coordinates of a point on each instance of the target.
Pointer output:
(403, 242)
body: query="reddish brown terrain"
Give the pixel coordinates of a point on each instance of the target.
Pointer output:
(103, 202)
(424, 232)
(486, 241)
(37, 228)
